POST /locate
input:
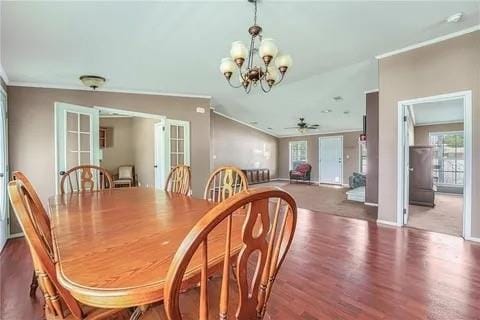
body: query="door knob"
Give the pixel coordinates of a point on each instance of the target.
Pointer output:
(410, 169)
(155, 166)
(2, 174)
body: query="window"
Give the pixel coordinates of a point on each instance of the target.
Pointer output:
(449, 158)
(298, 153)
(362, 146)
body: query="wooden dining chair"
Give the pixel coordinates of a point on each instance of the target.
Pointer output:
(85, 178)
(268, 229)
(59, 303)
(43, 220)
(224, 183)
(179, 180)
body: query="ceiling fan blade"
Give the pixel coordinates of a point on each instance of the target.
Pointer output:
(312, 127)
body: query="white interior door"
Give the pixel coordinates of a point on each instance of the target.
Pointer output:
(3, 169)
(331, 159)
(160, 165)
(178, 143)
(76, 135)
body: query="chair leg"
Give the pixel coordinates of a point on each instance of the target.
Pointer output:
(33, 285)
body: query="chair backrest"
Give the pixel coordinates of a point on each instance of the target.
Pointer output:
(125, 172)
(179, 180)
(42, 217)
(303, 168)
(85, 178)
(224, 183)
(23, 201)
(267, 232)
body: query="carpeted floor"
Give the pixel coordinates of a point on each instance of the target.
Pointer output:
(324, 199)
(445, 217)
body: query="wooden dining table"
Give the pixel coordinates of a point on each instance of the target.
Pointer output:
(114, 247)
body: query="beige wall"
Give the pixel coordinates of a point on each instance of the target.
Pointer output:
(242, 146)
(31, 128)
(350, 154)
(449, 66)
(120, 151)
(143, 139)
(422, 133)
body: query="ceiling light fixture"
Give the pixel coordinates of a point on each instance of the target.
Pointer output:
(454, 18)
(93, 82)
(267, 74)
(327, 111)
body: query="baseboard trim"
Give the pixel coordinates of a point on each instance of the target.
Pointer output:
(371, 204)
(15, 235)
(473, 239)
(388, 223)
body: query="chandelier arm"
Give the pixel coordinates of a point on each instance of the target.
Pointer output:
(281, 78)
(263, 88)
(234, 86)
(248, 88)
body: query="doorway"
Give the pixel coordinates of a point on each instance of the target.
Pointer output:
(149, 143)
(330, 157)
(434, 164)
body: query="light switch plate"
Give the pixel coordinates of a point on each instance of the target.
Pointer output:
(200, 110)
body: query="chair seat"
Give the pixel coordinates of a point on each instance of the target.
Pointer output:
(92, 313)
(297, 173)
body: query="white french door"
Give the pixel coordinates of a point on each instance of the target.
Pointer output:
(330, 157)
(76, 135)
(172, 148)
(3, 169)
(178, 143)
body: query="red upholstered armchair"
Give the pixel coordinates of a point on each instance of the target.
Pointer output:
(301, 172)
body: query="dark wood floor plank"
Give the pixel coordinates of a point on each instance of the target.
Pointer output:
(338, 268)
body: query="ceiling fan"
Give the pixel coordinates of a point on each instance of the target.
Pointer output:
(302, 126)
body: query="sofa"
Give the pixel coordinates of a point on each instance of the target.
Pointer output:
(301, 173)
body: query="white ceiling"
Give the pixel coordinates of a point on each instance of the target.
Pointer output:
(176, 47)
(438, 112)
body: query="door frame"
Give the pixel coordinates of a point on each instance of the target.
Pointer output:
(161, 124)
(468, 133)
(319, 159)
(94, 143)
(5, 232)
(159, 153)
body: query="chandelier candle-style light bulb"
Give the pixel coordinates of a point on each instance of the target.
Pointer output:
(261, 61)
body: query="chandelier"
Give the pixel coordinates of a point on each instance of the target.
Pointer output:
(272, 66)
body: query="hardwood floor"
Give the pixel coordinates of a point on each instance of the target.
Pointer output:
(337, 268)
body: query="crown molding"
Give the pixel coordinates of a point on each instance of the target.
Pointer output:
(82, 88)
(244, 123)
(429, 42)
(319, 133)
(371, 91)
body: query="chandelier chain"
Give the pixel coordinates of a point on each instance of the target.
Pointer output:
(255, 14)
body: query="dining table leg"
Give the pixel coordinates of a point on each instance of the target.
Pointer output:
(139, 311)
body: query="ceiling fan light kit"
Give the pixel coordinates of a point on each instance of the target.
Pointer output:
(302, 126)
(274, 66)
